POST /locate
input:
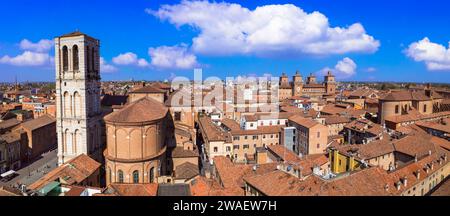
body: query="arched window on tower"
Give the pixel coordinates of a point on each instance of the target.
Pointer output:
(151, 175)
(68, 141)
(66, 104)
(76, 139)
(76, 104)
(135, 176)
(120, 176)
(65, 58)
(65, 134)
(75, 57)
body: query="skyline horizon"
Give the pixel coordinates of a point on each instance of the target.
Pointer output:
(163, 39)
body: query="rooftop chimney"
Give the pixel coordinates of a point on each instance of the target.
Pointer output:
(405, 181)
(398, 185)
(417, 173)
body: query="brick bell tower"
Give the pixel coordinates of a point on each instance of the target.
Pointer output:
(298, 84)
(330, 83)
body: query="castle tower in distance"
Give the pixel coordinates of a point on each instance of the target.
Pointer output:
(78, 115)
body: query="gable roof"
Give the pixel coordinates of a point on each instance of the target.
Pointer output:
(147, 89)
(73, 172)
(39, 122)
(405, 96)
(305, 122)
(123, 189)
(186, 170)
(367, 182)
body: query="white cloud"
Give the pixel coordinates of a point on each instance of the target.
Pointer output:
(435, 56)
(43, 45)
(130, 58)
(226, 29)
(105, 67)
(172, 57)
(142, 63)
(344, 69)
(28, 58)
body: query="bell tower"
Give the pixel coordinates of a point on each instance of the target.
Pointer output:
(330, 83)
(78, 112)
(311, 79)
(284, 80)
(298, 84)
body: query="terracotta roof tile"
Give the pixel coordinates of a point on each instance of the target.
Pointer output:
(73, 172)
(307, 162)
(211, 131)
(368, 182)
(180, 152)
(336, 120)
(232, 174)
(306, 122)
(121, 189)
(147, 89)
(405, 96)
(39, 122)
(434, 125)
(143, 110)
(186, 170)
(230, 123)
(261, 130)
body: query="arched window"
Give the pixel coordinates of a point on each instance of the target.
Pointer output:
(135, 176)
(66, 104)
(65, 58)
(151, 175)
(120, 176)
(76, 104)
(68, 142)
(75, 140)
(75, 57)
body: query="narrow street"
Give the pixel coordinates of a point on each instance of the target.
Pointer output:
(34, 171)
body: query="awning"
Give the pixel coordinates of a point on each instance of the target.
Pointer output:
(48, 187)
(5, 174)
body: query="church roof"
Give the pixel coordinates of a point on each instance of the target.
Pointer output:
(143, 110)
(405, 96)
(148, 89)
(75, 34)
(161, 85)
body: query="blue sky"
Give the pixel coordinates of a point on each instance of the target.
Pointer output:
(408, 40)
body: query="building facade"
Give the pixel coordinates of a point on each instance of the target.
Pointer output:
(137, 137)
(310, 89)
(311, 137)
